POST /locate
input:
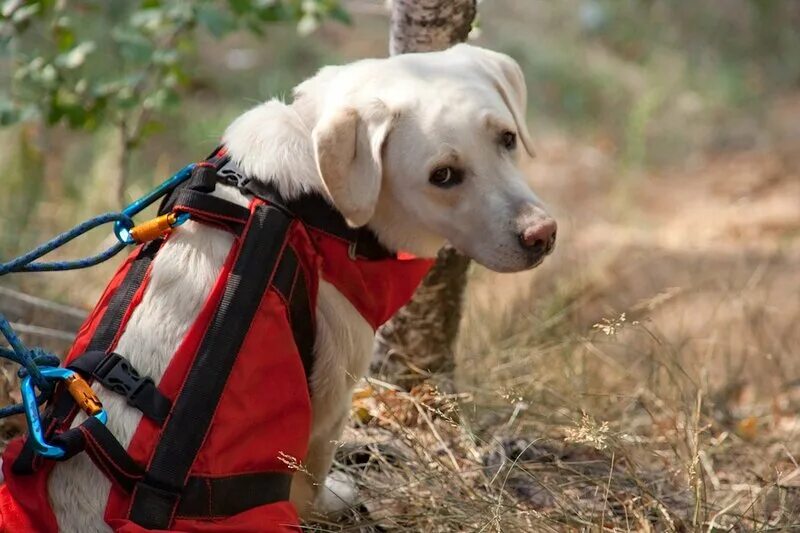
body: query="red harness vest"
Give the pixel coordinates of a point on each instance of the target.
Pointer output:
(210, 451)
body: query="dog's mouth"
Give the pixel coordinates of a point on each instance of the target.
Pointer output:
(538, 257)
(522, 261)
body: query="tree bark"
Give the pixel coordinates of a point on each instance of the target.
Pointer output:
(418, 342)
(429, 25)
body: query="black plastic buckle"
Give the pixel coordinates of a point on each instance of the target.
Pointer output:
(117, 374)
(229, 174)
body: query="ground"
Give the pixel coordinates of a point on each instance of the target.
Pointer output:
(645, 378)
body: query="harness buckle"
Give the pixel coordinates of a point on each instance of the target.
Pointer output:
(118, 375)
(77, 387)
(229, 173)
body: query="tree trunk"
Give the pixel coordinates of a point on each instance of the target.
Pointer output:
(418, 341)
(429, 25)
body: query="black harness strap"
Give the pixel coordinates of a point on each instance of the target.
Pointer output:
(202, 498)
(290, 283)
(313, 209)
(109, 325)
(105, 451)
(140, 392)
(216, 497)
(211, 209)
(117, 374)
(165, 489)
(156, 498)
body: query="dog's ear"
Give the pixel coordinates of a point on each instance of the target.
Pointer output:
(508, 80)
(348, 146)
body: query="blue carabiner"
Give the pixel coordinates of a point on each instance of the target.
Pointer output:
(122, 230)
(35, 432)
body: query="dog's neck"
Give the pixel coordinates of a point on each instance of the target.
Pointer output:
(271, 143)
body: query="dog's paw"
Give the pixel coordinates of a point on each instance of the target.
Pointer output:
(339, 494)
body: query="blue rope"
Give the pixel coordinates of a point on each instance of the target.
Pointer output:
(26, 262)
(30, 359)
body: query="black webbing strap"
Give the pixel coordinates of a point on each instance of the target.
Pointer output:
(109, 325)
(194, 197)
(312, 209)
(105, 451)
(215, 497)
(212, 209)
(155, 499)
(62, 408)
(316, 212)
(117, 374)
(290, 282)
(203, 497)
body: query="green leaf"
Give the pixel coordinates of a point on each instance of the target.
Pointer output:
(64, 36)
(9, 113)
(133, 45)
(218, 22)
(340, 14)
(25, 13)
(151, 127)
(148, 20)
(124, 97)
(241, 7)
(76, 57)
(165, 57)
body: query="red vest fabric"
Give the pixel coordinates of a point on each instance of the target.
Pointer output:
(264, 410)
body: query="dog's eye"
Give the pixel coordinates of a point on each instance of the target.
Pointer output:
(446, 177)
(509, 140)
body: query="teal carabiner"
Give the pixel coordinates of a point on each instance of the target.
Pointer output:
(122, 230)
(80, 391)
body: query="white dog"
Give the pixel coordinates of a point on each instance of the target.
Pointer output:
(422, 148)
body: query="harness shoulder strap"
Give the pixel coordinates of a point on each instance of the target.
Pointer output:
(156, 498)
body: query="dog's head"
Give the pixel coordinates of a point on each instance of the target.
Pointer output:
(425, 148)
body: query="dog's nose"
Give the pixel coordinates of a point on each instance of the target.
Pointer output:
(539, 237)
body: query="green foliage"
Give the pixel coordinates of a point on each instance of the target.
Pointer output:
(86, 63)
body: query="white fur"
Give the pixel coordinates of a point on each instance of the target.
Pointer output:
(429, 107)
(265, 147)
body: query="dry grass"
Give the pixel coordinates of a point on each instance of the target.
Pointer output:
(644, 379)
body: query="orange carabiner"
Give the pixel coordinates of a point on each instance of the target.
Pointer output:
(154, 228)
(83, 394)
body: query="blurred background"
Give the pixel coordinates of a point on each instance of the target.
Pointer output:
(647, 374)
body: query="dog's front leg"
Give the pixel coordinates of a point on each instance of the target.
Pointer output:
(342, 352)
(314, 491)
